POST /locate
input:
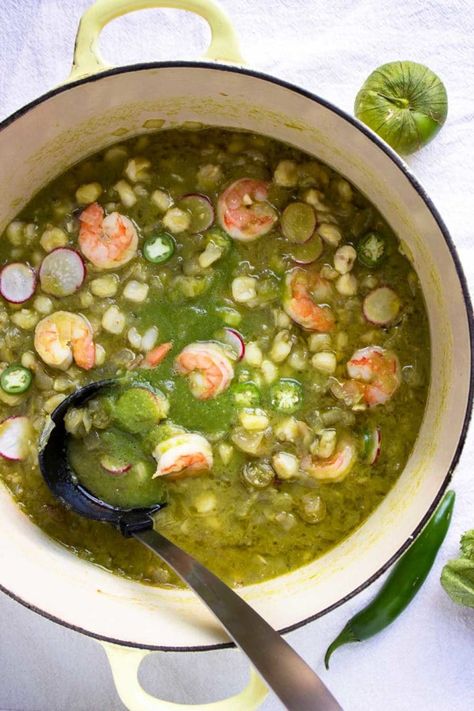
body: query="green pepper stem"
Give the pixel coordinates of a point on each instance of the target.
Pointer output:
(345, 636)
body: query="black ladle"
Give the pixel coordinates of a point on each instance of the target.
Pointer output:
(292, 680)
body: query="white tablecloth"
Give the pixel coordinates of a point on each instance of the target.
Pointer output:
(425, 660)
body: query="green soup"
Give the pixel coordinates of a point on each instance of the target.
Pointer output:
(270, 337)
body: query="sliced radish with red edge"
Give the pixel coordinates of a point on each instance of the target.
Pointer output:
(235, 340)
(200, 208)
(15, 433)
(298, 222)
(113, 466)
(307, 252)
(62, 272)
(381, 306)
(17, 282)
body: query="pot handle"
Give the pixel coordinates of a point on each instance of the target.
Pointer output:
(124, 663)
(87, 59)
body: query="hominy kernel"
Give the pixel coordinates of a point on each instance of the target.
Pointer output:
(286, 465)
(226, 452)
(325, 362)
(135, 291)
(347, 285)
(52, 402)
(269, 371)
(149, 339)
(205, 502)
(113, 320)
(99, 354)
(88, 193)
(126, 193)
(136, 169)
(28, 360)
(25, 318)
(15, 233)
(344, 189)
(134, 338)
(344, 259)
(43, 305)
(329, 233)
(253, 420)
(161, 199)
(319, 342)
(253, 355)
(286, 174)
(105, 286)
(176, 220)
(86, 299)
(244, 289)
(53, 238)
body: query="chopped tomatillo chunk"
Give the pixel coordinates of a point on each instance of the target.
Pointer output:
(258, 474)
(159, 248)
(372, 249)
(286, 395)
(15, 379)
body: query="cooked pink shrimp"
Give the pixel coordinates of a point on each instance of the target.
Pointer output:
(157, 354)
(63, 337)
(183, 455)
(337, 467)
(108, 242)
(243, 210)
(375, 376)
(303, 288)
(208, 368)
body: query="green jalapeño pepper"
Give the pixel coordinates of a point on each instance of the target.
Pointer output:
(402, 584)
(15, 379)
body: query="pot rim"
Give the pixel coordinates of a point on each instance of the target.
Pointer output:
(403, 167)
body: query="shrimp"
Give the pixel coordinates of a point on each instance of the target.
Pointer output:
(243, 210)
(208, 367)
(375, 376)
(157, 354)
(302, 289)
(337, 467)
(183, 455)
(108, 242)
(63, 337)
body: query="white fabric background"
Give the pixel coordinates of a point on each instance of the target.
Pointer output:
(425, 660)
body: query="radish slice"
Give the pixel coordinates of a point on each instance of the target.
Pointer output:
(372, 440)
(381, 306)
(17, 282)
(62, 272)
(298, 222)
(15, 433)
(113, 466)
(308, 251)
(235, 340)
(201, 211)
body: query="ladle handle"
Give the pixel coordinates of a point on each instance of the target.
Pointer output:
(291, 679)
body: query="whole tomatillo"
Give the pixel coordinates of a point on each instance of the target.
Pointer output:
(405, 103)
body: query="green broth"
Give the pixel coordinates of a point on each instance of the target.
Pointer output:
(244, 533)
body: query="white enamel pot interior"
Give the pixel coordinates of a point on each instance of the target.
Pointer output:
(44, 139)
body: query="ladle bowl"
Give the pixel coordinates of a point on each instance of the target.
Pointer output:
(292, 680)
